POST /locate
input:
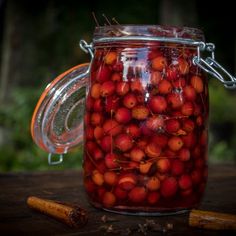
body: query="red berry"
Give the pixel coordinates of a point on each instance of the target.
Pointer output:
(169, 153)
(127, 182)
(146, 132)
(175, 100)
(89, 133)
(157, 104)
(106, 143)
(96, 118)
(172, 125)
(153, 150)
(89, 186)
(122, 88)
(107, 88)
(155, 77)
(89, 103)
(136, 86)
(189, 93)
(183, 66)
(154, 52)
(142, 143)
(184, 154)
(98, 132)
(133, 130)
(185, 182)
(169, 187)
(140, 112)
(97, 154)
(120, 193)
(177, 167)
(116, 77)
(110, 58)
(172, 73)
(101, 167)
(189, 140)
(98, 106)
(90, 146)
(123, 115)
(175, 143)
(110, 178)
(137, 194)
(95, 90)
(123, 142)
(118, 67)
(97, 178)
(130, 100)
(111, 103)
(111, 160)
(153, 197)
(137, 154)
(103, 74)
(188, 125)
(160, 139)
(112, 127)
(159, 63)
(197, 83)
(163, 165)
(187, 109)
(109, 199)
(153, 183)
(144, 167)
(164, 87)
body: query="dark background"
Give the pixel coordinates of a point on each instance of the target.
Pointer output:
(39, 40)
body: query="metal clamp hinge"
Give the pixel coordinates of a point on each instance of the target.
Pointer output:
(211, 66)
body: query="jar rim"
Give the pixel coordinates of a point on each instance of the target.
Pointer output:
(151, 31)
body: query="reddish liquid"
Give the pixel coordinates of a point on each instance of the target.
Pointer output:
(146, 129)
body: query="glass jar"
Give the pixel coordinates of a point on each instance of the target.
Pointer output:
(145, 121)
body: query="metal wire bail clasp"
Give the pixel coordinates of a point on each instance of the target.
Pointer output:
(87, 48)
(54, 162)
(211, 66)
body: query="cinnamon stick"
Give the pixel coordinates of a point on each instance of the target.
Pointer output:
(212, 220)
(72, 215)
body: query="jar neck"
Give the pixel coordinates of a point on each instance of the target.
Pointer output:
(113, 33)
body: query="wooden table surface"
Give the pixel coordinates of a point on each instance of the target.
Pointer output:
(17, 219)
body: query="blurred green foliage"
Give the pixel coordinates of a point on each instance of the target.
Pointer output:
(19, 152)
(222, 123)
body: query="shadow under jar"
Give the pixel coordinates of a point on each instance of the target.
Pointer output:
(146, 121)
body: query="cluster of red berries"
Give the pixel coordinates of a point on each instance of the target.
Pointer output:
(145, 129)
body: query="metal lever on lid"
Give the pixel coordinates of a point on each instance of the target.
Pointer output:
(51, 162)
(211, 66)
(87, 48)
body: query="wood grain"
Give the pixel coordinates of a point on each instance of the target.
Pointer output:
(17, 219)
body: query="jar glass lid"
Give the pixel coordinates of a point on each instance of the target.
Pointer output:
(57, 122)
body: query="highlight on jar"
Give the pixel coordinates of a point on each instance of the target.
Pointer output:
(145, 119)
